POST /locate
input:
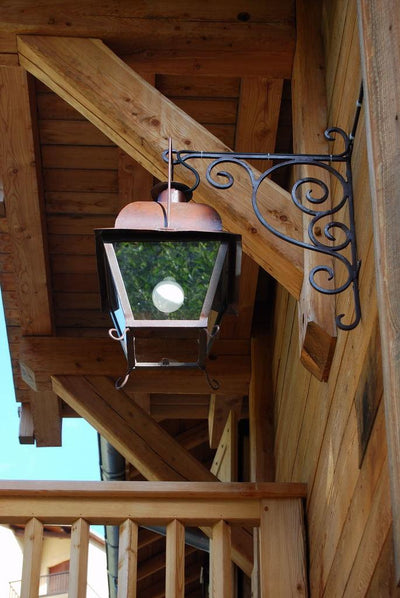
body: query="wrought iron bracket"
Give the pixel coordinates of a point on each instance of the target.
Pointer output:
(323, 220)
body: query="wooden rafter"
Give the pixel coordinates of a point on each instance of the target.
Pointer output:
(155, 37)
(139, 119)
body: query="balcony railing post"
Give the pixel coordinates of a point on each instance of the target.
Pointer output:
(282, 548)
(32, 558)
(127, 559)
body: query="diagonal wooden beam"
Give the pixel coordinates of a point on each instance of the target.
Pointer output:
(139, 119)
(309, 106)
(138, 437)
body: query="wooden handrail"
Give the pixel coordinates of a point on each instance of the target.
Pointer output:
(275, 508)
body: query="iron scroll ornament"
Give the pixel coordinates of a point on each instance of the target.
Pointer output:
(325, 241)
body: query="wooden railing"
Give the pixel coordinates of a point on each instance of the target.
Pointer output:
(275, 509)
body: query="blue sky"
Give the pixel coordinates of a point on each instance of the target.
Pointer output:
(77, 459)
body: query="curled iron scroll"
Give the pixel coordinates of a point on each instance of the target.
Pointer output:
(311, 203)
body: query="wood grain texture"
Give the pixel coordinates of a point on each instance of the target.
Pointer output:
(316, 311)
(139, 439)
(221, 565)
(380, 49)
(282, 549)
(79, 559)
(175, 560)
(127, 559)
(33, 538)
(46, 356)
(22, 190)
(144, 137)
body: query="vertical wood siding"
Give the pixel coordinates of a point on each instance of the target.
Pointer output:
(348, 507)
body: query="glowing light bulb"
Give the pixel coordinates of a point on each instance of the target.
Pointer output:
(168, 295)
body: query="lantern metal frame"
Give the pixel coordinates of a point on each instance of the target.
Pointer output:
(221, 294)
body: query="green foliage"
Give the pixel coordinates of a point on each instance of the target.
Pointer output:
(144, 264)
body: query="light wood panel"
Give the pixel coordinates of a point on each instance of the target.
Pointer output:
(79, 559)
(24, 202)
(316, 311)
(380, 36)
(33, 538)
(43, 357)
(47, 58)
(127, 559)
(175, 560)
(221, 565)
(282, 557)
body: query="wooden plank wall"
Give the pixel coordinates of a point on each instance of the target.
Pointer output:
(348, 505)
(81, 182)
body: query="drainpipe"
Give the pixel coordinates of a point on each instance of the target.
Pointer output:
(112, 468)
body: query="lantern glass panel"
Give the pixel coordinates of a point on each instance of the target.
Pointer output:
(185, 268)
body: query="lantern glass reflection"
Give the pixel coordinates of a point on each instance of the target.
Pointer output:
(144, 265)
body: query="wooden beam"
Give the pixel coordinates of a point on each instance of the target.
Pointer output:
(380, 52)
(47, 419)
(26, 433)
(139, 439)
(47, 356)
(309, 106)
(22, 189)
(260, 40)
(20, 166)
(225, 64)
(139, 119)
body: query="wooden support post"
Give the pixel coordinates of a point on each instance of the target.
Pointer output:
(282, 549)
(22, 188)
(261, 421)
(138, 118)
(316, 311)
(20, 167)
(26, 431)
(175, 560)
(33, 539)
(220, 407)
(127, 559)
(225, 463)
(221, 564)
(47, 419)
(261, 410)
(78, 559)
(380, 53)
